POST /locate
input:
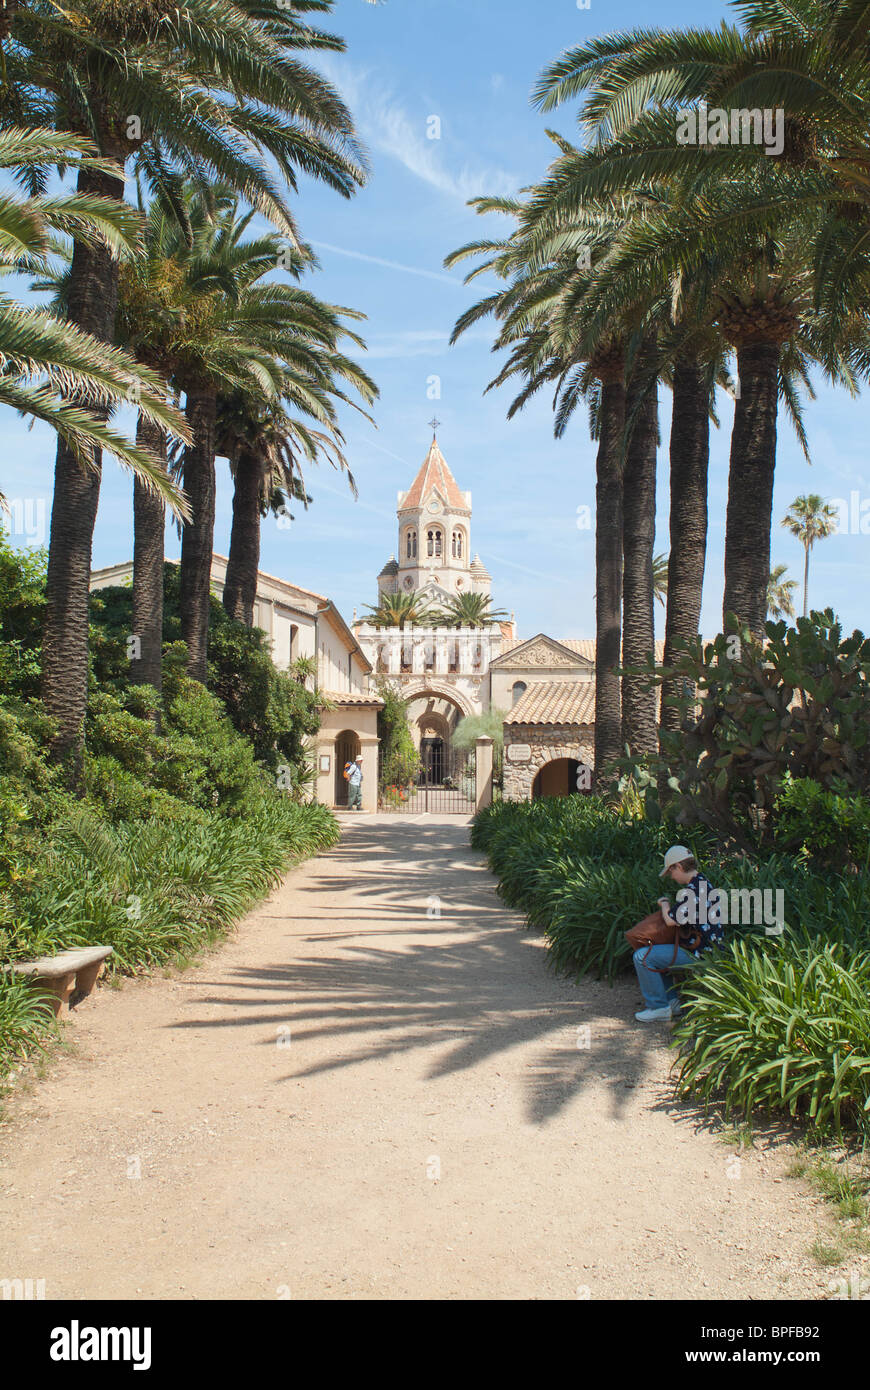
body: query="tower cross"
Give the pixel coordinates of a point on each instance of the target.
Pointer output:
(434, 423)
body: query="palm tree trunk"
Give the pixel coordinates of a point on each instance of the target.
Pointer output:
(806, 577)
(197, 538)
(93, 299)
(149, 522)
(638, 532)
(240, 587)
(750, 485)
(608, 577)
(690, 457)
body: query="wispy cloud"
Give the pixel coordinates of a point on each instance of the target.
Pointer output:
(385, 125)
(390, 265)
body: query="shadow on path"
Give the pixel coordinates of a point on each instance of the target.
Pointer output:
(473, 975)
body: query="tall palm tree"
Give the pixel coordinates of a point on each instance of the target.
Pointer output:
(165, 316)
(547, 273)
(235, 342)
(207, 88)
(780, 603)
(266, 447)
(469, 610)
(44, 359)
(766, 217)
(54, 370)
(639, 730)
(811, 519)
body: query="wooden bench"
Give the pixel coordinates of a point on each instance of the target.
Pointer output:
(69, 976)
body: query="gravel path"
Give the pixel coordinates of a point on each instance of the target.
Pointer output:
(377, 1089)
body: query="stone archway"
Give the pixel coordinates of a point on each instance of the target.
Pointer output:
(529, 748)
(557, 778)
(427, 688)
(433, 714)
(347, 747)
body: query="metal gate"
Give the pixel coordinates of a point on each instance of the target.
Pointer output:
(445, 783)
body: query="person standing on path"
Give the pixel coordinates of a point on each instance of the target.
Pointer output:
(353, 773)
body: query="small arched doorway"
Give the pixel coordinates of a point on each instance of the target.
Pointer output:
(347, 747)
(559, 778)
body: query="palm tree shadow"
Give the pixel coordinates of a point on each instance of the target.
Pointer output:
(470, 984)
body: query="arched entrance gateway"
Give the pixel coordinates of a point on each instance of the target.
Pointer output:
(347, 747)
(445, 780)
(561, 777)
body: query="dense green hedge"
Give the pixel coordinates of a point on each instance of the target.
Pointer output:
(157, 891)
(566, 861)
(776, 1021)
(180, 823)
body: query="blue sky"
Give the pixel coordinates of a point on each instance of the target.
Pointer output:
(472, 65)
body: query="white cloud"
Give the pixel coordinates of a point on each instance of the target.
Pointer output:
(385, 125)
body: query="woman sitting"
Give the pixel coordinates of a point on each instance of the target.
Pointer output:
(697, 915)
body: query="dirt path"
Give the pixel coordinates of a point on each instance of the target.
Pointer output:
(356, 1097)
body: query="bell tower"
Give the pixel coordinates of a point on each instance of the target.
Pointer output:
(434, 554)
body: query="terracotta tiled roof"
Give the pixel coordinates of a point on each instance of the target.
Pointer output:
(583, 646)
(351, 697)
(555, 702)
(434, 473)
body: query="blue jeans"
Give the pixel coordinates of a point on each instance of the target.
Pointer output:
(658, 990)
(354, 795)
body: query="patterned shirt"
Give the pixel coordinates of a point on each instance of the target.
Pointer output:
(699, 909)
(354, 773)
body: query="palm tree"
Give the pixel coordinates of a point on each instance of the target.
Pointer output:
(545, 276)
(660, 577)
(762, 217)
(166, 316)
(61, 374)
(779, 593)
(811, 519)
(209, 88)
(266, 447)
(45, 360)
(400, 610)
(469, 610)
(229, 339)
(639, 731)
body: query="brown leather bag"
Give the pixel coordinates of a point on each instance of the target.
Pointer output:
(655, 931)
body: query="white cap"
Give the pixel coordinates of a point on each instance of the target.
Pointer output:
(675, 855)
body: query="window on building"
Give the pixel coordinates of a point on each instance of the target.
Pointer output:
(411, 546)
(518, 689)
(457, 545)
(433, 543)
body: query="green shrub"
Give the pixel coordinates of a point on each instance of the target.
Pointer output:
(22, 605)
(584, 872)
(399, 758)
(158, 890)
(821, 825)
(25, 1018)
(782, 1024)
(274, 710)
(752, 713)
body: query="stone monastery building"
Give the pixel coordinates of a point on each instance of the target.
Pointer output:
(545, 686)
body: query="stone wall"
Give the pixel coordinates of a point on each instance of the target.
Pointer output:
(545, 743)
